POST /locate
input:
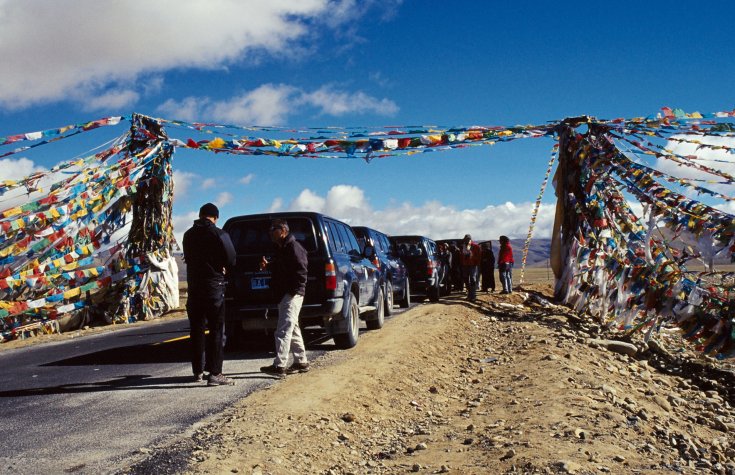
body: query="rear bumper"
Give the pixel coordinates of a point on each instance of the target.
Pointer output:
(421, 287)
(266, 315)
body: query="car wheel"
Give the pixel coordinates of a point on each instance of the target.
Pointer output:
(389, 298)
(377, 318)
(405, 302)
(347, 340)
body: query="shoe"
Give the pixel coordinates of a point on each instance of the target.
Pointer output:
(274, 370)
(220, 380)
(298, 368)
(198, 377)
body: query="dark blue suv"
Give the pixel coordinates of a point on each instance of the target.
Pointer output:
(343, 285)
(396, 287)
(426, 270)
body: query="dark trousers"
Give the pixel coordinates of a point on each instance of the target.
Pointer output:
(207, 353)
(488, 279)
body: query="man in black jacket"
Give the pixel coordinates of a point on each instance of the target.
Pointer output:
(288, 281)
(208, 252)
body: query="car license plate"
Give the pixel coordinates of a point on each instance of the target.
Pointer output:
(259, 283)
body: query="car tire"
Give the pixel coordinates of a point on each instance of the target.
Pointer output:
(377, 317)
(344, 341)
(405, 302)
(389, 298)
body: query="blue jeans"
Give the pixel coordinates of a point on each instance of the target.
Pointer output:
(506, 276)
(471, 275)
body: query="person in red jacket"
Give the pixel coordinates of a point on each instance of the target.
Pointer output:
(470, 256)
(505, 265)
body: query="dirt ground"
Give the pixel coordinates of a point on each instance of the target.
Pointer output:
(510, 384)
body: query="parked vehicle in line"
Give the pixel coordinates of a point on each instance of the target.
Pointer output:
(425, 270)
(343, 285)
(396, 287)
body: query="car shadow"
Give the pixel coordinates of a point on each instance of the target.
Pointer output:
(176, 351)
(130, 382)
(135, 382)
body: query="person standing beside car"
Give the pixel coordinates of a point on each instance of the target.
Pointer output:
(487, 267)
(470, 257)
(505, 265)
(289, 270)
(208, 253)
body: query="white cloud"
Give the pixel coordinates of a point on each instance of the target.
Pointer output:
(51, 48)
(182, 182)
(276, 206)
(114, 99)
(223, 198)
(247, 179)
(15, 169)
(271, 104)
(719, 159)
(182, 222)
(336, 102)
(308, 201)
(432, 219)
(208, 183)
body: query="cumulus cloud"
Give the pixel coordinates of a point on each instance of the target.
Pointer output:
(247, 179)
(335, 102)
(182, 222)
(433, 219)
(276, 205)
(114, 99)
(308, 201)
(271, 104)
(182, 182)
(14, 169)
(55, 48)
(208, 183)
(223, 198)
(706, 156)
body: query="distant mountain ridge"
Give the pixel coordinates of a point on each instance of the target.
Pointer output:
(539, 251)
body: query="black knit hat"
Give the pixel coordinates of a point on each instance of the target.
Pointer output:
(209, 210)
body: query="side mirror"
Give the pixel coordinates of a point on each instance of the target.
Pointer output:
(369, 251)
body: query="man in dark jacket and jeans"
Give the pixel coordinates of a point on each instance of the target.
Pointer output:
(208, 252)
(288, 281)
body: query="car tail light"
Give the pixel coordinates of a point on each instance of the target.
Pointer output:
(330, 276)
(430, 268)
(376, 262)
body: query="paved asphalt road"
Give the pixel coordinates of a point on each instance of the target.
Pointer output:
(89, 404)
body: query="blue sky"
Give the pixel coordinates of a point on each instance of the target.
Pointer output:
(367, 63)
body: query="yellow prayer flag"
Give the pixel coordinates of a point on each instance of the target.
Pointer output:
(71, 293)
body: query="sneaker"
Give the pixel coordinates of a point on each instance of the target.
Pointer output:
(298, 368)
(220, 380)
(198, 377)
(274, 370)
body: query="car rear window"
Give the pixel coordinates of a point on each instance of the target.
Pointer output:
(411, 247)
(251, 236)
